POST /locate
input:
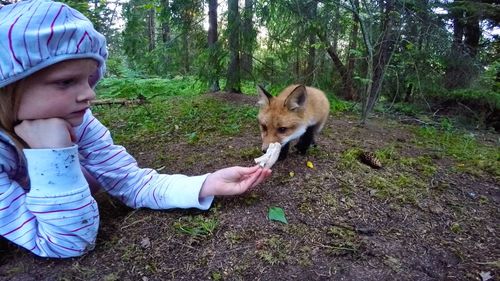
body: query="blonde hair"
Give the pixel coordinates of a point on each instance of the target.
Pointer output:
(10, 98)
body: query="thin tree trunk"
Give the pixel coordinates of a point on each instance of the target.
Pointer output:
(165, 29)
(311, 59)
(165, 26)
(151, 29)
(348, 91)
(381, 60)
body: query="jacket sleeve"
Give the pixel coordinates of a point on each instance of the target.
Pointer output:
(119, 174)
(57, 217)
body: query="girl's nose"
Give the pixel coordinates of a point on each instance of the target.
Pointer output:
(87, 94)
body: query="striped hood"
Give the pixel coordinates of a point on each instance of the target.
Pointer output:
(35, 34)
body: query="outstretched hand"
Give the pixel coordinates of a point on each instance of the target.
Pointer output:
(233, 180)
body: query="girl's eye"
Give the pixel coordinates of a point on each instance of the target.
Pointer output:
(65, 82)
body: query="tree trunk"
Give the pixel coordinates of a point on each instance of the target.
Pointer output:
(233, 72)
(248, 37)
(212, 45)
(185, 49)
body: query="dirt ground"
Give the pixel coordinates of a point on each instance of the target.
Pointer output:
(409, 220)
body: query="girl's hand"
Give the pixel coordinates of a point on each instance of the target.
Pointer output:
(233, 180)
(46, 133)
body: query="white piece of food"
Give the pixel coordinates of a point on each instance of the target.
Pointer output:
(267, 160)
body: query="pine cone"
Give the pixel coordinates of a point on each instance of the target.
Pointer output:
(370, 159)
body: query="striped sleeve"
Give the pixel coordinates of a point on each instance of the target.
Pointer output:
(57, 217)
(119, 174)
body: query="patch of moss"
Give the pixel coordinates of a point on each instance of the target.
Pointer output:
(343, 240)
(423, 164)
(273, 250)
(402, 187)
(387, 155)
(349, 159)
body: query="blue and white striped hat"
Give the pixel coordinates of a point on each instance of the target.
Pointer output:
(35, 34)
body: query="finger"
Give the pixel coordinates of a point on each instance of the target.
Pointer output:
(245, 172)
(262, 176)
(251, 180)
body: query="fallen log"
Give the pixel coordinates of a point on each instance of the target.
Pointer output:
(119, 102)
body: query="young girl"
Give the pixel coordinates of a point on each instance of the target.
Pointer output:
(52, 147)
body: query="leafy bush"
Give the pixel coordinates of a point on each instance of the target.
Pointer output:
(149, 88)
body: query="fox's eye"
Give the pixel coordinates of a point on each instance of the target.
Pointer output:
(264, 127)
(281, 130)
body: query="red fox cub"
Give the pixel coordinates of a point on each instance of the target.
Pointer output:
(297, 112)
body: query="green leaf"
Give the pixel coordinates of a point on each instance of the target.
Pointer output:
(277, 214)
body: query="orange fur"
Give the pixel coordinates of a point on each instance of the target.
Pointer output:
(289, 115)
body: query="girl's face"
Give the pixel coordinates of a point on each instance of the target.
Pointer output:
(58, 91)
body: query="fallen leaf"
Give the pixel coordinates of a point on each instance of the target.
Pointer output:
(292, 174)
(277, 214)
(485, 276)
(145, 243)
(310, 164)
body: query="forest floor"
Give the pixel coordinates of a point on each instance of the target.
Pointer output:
(425, 215)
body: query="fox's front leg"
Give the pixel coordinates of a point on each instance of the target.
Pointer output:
(305, 140)
(284, 152)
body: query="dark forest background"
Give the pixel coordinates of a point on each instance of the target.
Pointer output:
(433, 55)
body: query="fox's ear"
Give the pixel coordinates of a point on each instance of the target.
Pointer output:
(264, 96)
(297, 98)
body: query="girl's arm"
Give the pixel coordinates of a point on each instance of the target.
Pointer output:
(118, 173)
(56, 217)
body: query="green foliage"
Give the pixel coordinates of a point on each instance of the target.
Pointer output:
(338, 105)
(149, 88)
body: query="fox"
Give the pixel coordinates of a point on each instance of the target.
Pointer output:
(298, 112)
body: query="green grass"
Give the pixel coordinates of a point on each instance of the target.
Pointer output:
(193, 118)
(470, 156)
(197, 226)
